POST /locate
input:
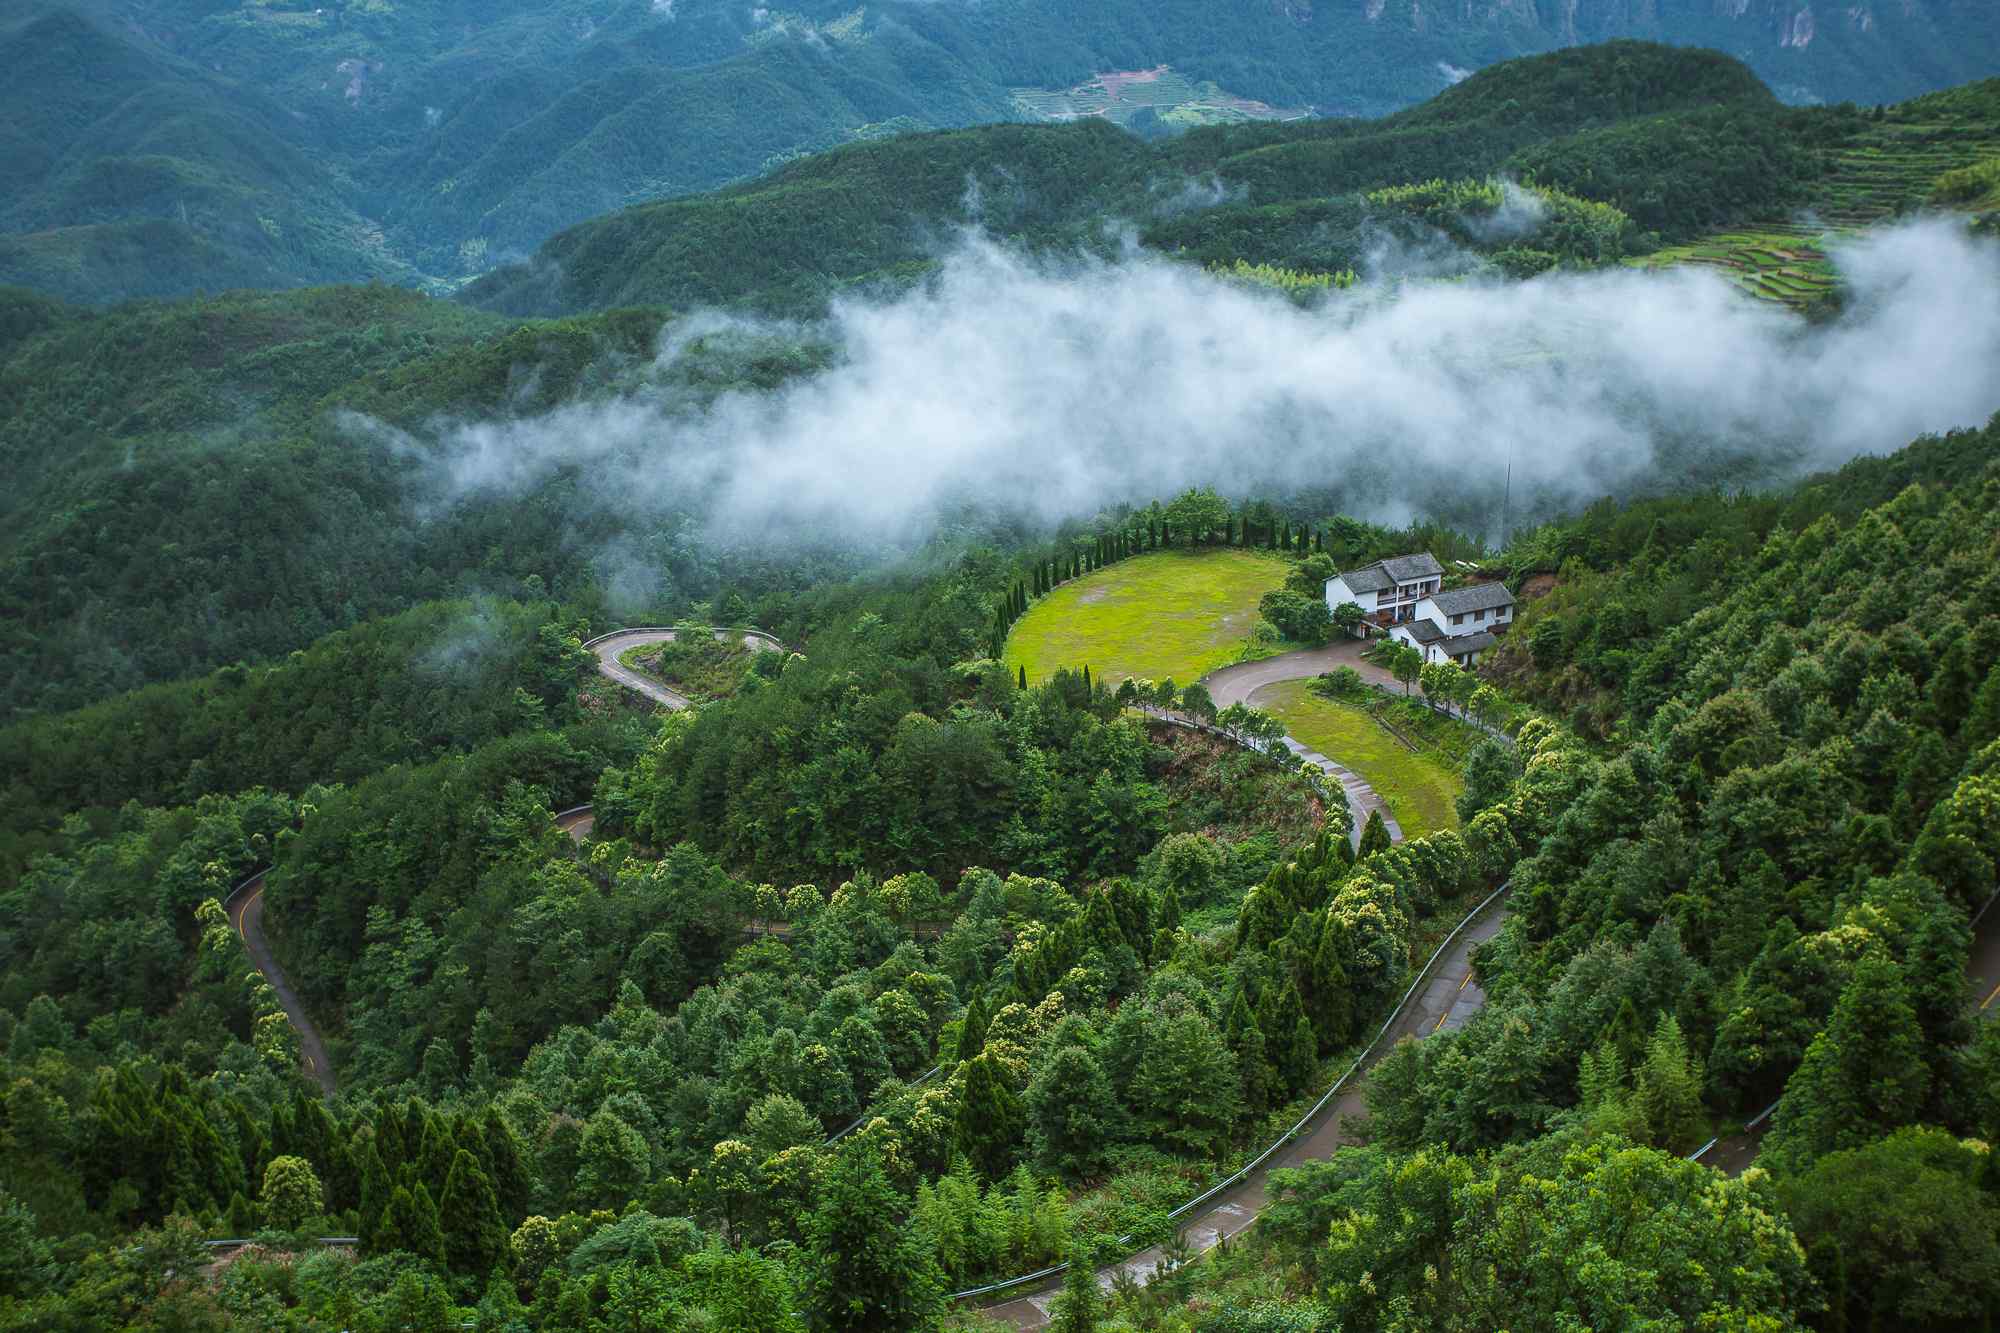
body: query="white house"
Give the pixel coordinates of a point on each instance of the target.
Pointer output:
(1403, 595)
(1388, 590)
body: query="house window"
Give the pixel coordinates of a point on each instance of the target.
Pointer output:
(1458, 619)
(1478, 616)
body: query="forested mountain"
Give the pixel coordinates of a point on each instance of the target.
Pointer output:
(1718, 148)
(902, 963)
(332, 407)
(261, 144)
(590, 1086)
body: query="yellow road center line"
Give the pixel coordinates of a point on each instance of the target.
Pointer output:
(1989, 999)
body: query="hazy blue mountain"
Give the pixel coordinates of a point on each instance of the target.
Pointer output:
(159, 146)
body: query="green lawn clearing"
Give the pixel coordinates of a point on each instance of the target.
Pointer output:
(1162, 615)
(1420, 790)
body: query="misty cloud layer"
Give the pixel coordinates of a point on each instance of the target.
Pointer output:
(1052, 390)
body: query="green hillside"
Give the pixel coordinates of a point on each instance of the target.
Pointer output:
(280, 141)
(118, 424)
(185, 492)
(1266, 193)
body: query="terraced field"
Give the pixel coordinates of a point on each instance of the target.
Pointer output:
(1782, 262)
(1120, 95)
(1895, 165)
(1888, 167)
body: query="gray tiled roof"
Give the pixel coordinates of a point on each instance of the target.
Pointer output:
(1476, 642)
(1386, 574)
(1410, 568)
(1423, 631)
(1478, 597)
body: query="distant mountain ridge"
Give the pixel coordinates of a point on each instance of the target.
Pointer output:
(159, 146)
(1676, 142)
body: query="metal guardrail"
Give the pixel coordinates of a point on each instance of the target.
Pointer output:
(770, 641)
(1318, 1108)
(1748, 1125)
(845, 1130)
(238, 1243)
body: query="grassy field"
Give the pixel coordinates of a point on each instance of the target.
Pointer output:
(1420, 791)
(1166, 614)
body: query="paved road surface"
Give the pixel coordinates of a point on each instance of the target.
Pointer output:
(246, 913)
(608, 650)
(1984, 967)
(1446, 1003)
(611, 645)
(1235, 684)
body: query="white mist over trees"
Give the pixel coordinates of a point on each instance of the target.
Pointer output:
(1051, 389)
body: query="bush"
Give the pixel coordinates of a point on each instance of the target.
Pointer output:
(1340, 683)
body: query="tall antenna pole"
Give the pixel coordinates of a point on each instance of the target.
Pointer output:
(1507, 498)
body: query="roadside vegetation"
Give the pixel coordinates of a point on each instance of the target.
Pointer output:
(697, 664)
(1420, 787)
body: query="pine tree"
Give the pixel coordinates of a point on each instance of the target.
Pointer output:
(990, 1119)
(1264, 918)
(1374, 836)
(1253, 1065)
(376, 1189)
(972, 1028)
(1073, 1115)
(1667, 1090)
(1076, 1308)
(434, 1161)
(1302, 1054)
(1862, 1076)
(1023, 681)
(867, 1267)
(1086, 678)
(1280, 1015)
(506, 1166)
(242, 1218)
(410, 1223)
(475, 1239)
(1329, 996)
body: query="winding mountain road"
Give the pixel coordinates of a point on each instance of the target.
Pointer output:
(1445, 998)
(245, 906)
(609, 647)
